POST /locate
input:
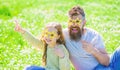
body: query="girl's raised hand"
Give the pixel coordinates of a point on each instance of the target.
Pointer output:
(18, 28)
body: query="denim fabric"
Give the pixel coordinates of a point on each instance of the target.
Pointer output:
(114, 62)
(34, 68)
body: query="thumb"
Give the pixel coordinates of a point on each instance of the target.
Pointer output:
(17, 26)
(16, 23)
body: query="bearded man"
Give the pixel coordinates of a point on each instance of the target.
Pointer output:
(85, 46)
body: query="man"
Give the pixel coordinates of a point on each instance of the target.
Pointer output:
(86, 47)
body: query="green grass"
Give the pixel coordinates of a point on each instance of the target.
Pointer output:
(16, 53)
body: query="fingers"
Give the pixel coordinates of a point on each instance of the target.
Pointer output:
(57, 50)
(84, 44)
(16, 21)
(17, 26)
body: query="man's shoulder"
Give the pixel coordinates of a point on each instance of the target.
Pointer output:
(92, 31)
(65, 31)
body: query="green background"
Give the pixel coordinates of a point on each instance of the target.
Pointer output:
(15, 53)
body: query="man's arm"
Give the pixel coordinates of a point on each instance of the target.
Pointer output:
(100, 54)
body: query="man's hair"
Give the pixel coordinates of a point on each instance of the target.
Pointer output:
(76, 10)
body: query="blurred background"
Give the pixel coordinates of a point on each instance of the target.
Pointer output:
(15, 53)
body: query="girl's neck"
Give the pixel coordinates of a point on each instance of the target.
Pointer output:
(52, 45)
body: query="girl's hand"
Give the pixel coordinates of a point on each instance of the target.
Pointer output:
(18, 28)
(59, 52)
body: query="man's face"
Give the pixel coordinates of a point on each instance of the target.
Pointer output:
(75, 27)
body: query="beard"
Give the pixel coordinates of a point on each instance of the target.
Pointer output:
(75, 33)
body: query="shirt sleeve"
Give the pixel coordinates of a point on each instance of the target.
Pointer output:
(32, 40)
(64, 62)
(98, 42)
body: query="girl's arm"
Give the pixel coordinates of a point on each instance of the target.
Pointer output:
(29, 37)
(32, 40)
(64, 61)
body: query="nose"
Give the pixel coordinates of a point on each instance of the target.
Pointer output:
(74, 24)
(47, 36)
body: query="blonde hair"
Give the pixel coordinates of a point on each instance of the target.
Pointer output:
(59, 41)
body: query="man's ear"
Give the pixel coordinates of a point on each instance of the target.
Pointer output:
(84, 22)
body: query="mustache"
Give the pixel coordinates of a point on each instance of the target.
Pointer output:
(73, 27)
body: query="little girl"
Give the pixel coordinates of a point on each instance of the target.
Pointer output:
(55, 56)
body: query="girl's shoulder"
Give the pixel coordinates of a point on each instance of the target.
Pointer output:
(61, 45)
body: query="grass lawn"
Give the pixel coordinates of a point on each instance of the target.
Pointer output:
(15, 53)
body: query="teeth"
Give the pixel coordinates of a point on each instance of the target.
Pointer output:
(74, 29)
(48, 40)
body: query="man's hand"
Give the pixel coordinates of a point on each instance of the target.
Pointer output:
(87, 47)
(18, 28)
(59, 52)
(100, 54)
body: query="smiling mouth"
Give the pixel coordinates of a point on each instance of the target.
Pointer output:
(47, 40)
(74, 30)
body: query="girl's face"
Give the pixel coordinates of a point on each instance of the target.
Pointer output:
(51, 35)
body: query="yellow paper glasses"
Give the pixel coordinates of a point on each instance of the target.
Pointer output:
(72, 21)
(49, 34)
